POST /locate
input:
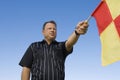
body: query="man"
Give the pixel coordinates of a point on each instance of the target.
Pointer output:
(45, 60)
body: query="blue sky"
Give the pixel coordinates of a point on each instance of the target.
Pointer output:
(21, 23)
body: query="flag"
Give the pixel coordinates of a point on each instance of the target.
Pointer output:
(107, 16)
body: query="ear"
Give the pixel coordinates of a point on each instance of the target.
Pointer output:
(43, 32)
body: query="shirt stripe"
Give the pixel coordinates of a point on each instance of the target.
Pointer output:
(47, 60)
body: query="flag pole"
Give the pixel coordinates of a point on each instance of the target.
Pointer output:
(88, 19)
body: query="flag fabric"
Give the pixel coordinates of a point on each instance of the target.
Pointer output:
(107, 16)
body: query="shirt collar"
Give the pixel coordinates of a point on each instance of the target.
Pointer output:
(44, 41)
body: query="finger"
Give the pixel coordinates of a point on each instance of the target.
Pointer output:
(86, 21)
(83, 29)
(80, 23)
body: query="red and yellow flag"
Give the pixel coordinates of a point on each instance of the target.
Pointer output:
(107, 16)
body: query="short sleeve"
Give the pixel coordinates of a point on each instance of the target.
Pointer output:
(27, 58)
(65, 50)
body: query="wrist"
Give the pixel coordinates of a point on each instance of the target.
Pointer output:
(76, 33)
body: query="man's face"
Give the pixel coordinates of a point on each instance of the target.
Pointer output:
(49, 31)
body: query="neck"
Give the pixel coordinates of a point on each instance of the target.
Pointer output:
(48, 41)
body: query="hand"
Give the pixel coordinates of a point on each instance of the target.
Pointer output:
(82, 27)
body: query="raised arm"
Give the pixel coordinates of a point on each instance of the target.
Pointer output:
(80, 29)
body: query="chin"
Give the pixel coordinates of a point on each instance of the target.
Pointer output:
(53, 38)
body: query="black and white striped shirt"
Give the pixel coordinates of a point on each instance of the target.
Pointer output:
(46, 61)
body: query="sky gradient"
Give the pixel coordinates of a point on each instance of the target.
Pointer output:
(21, 24)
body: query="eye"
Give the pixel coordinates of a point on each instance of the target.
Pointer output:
(49, 28)
(54, 28)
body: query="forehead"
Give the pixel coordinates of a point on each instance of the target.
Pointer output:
(48, 25)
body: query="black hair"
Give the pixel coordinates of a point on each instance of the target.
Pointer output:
(51, 21)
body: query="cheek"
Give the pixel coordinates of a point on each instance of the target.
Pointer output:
(45, 33)
(55, 31)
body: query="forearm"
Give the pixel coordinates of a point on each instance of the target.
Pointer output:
(25, 74)
(80, 30)
(71, 40)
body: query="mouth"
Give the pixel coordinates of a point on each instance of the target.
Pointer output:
(52, 34)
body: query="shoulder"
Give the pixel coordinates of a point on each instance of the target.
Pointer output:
(60, 44)
(36, 44)
(60, 41)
